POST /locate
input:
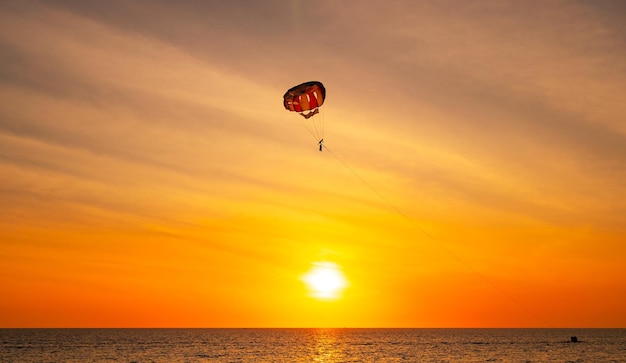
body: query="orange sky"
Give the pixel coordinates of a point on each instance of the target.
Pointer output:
(150, 177)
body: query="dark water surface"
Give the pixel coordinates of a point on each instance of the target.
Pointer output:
(312, 345)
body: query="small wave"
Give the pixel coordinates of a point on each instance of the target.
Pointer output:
(210, 356)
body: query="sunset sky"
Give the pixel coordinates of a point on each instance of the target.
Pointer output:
(474, 176)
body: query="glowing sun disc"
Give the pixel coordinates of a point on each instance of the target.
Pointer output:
(325, 280)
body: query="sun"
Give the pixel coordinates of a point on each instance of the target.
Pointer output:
(325, 280)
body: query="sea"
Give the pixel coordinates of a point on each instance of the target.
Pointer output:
(312, 345)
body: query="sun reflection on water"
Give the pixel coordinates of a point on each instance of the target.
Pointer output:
(327, 346)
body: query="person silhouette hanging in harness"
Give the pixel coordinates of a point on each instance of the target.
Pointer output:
(321, 143)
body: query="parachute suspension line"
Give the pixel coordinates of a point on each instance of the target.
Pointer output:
(309, 130)
(322, 117)
(319, 125)
(440, 244)
(315, 127)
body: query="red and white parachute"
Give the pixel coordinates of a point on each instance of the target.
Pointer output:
(306, 99)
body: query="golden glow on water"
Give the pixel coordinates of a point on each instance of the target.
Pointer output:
(326, 346)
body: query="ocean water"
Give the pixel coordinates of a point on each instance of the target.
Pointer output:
(312, 345)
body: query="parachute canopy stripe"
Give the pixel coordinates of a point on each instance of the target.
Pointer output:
(313, 100)
(305, 97)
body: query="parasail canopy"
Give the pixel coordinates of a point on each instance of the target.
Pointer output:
(305, 98)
